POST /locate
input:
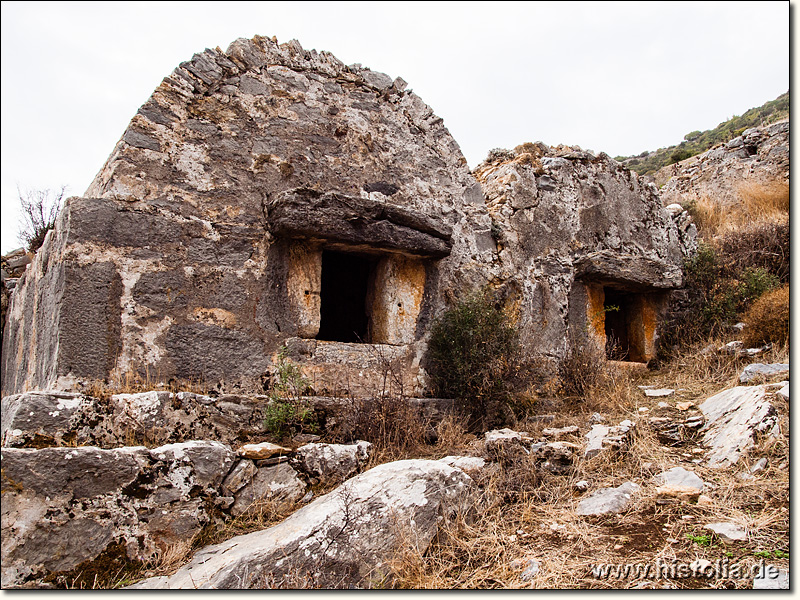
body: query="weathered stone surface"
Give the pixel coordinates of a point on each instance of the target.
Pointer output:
(560, 432)
(771, 577)
(342, 539)
(679, 476)
(733, 418)
(601, 437)
(471, 465)
(755, 370)
(608, 500)
(278, 483)
(172, 257)
(63, 506)
(42, 418)
(728, 532)
(262, 451)
(52, 418)
(308, 214)
(239, 477)
(332, 463)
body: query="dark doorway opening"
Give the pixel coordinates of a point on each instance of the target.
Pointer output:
(617, 306)
(344, 311)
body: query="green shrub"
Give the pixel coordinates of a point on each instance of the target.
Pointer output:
(717, 291)
(768, 319)
(472, 355)
(288, 412)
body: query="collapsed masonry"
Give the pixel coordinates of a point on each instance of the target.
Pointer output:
(269, 196)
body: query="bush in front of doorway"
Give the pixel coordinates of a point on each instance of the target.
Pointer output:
(472, 354)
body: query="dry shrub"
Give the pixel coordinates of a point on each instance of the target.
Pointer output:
(391, 423)
(761, 246)
(451, 434)
(583, 369)
(768, 319)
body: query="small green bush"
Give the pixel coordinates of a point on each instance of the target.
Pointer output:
(288, 412)
(472, 355)
(720, 284)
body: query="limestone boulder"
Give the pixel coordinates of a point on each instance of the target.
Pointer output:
(42, 418)
(64, 506)
(340, 540)
(332, 463)
(734, 417)
(603, 437)
(608, 500)
(756, 370)
(277, 484)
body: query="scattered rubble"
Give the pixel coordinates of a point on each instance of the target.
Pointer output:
(728, 532)
(608, 500)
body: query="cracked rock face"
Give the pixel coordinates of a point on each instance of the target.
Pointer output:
(339, 540)
(734, 418)
(64, 506)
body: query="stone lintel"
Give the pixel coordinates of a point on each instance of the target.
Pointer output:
(337, 218)
(628, 272)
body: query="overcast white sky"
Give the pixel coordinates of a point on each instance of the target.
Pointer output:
(616, 77)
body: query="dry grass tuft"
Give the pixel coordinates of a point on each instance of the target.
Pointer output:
(768, 319)
(758, 203)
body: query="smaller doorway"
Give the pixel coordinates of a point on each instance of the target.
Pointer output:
(345, 297)
(620, 323)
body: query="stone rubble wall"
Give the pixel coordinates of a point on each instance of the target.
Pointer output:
(73, 487)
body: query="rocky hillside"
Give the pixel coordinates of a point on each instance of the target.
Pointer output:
(759, 157)
(696, 142)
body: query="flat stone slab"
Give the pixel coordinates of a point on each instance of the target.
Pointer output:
(608, 500)
(262, 451)
(771, 577)
(659, 393)
(678, 476)
(733, 418)
(761, 369)
(340, 540)
(728, 532)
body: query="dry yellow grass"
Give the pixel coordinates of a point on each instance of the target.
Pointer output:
(758, 203)
(524, 516)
